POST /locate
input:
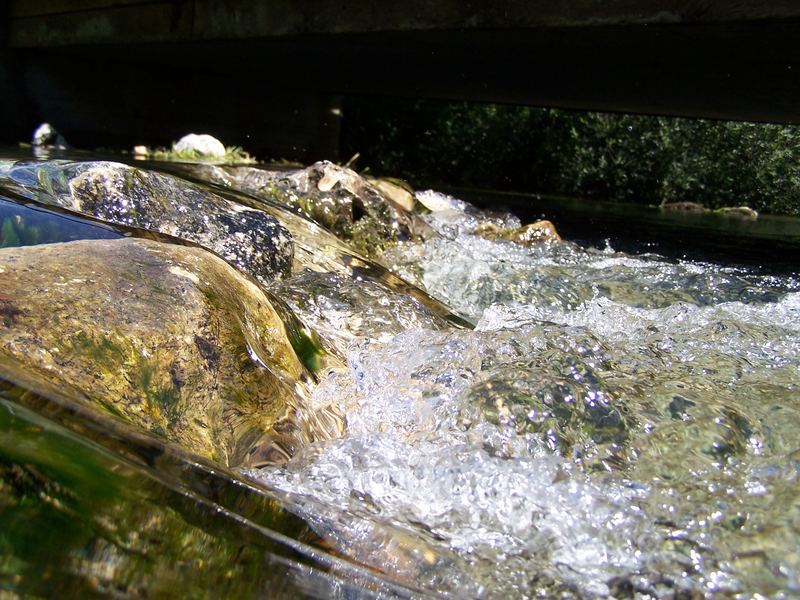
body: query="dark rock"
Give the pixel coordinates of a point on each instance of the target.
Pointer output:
(337, 198)
(684, 207)
(247, 238)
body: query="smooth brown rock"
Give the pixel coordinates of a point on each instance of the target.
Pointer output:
(170, 338)
(527, 235)
(397, 191)
(540, 231)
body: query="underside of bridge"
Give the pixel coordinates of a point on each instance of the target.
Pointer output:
(272, 76)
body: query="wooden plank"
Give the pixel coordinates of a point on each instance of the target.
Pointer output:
(154, 22)
(240, 19)
(61, 22)
(746, 67)
(35, 8)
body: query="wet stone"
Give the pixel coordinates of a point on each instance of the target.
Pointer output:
(170, 338)
(246, 238)
(345, 311)
(738, 212)
(396, 191)
(533, 233)
(343, 202)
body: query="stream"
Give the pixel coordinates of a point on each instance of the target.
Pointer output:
(253, 381)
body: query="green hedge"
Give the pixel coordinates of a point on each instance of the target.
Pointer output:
(598, 155)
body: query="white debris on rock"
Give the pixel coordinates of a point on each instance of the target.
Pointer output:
(436, 201)
(201, 144)
(47, 135)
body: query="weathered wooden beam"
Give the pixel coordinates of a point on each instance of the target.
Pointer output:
(35, 8)
(36, 23)
(131, 23)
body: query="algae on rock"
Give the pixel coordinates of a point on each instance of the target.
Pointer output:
(169, 337)
(80, 522)
(339, 199)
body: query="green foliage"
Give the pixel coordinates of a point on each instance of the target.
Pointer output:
(234, 155)
(606, 156)
(659, 159)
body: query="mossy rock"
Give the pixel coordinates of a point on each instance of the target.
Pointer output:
(339, 199)
(168, 337)
(738, 212)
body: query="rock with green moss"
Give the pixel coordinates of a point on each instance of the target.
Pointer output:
(168, 337)
(337, 198)
(249, 239)
(197, 148)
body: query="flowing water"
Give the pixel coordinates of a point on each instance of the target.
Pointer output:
(517, 421)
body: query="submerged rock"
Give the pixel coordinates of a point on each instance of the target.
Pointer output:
(343, 310)
(168, 337)
(249, 239)
(740, 212)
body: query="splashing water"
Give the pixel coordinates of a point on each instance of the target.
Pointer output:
(615, 424)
